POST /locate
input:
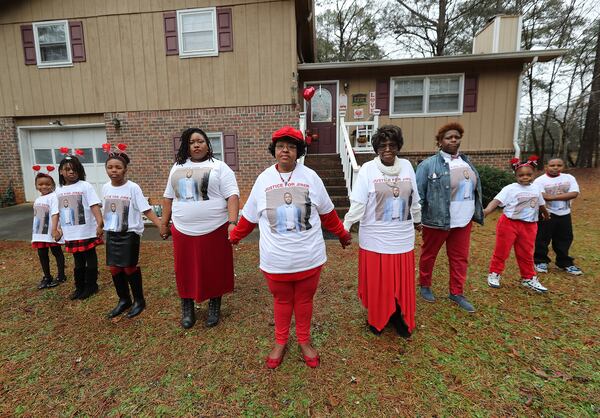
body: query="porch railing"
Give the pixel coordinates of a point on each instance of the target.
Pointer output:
(302, 127)
(349, 164)
(361, 133)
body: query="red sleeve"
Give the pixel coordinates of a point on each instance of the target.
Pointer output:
(241, 231)
(332, 223)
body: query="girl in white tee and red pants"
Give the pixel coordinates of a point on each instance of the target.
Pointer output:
(289, 203)
(522, 201)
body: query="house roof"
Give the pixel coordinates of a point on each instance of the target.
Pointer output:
(542, 55)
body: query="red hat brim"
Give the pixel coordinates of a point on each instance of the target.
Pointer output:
(289, 133)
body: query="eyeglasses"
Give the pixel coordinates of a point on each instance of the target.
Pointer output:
(290, 147)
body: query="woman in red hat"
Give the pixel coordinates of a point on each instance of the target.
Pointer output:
(289, 203)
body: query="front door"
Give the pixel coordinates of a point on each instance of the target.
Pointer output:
(321, 120)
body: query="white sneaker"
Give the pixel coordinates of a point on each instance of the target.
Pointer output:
(541, 268)
(534, 284)
(493, 280)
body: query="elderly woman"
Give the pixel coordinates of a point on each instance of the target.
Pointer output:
(289, 203)
(386, 202)
(450, 192)
(202, 198)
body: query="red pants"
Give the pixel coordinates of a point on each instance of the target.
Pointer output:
(522, 236)
(293, 297)
(457, 248)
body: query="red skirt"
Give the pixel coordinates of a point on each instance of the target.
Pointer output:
(81, 245)
(383, 281)
(203, 264)
(39, 244)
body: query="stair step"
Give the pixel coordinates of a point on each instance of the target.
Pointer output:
(334, 182)
(337, 190)
(330, 173)
(340, 201)
(341, 211)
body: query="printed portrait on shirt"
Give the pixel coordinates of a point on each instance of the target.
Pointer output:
(393, 200)
(71, 211)
(462, 182)
(41, 219)
(116, 215)
(191, 183)
(526, 208)
(554, 189)
(289, 210)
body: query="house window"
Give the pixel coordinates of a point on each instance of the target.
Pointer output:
(216, 141)
(427, 95)
(197, 32)
(52, 44)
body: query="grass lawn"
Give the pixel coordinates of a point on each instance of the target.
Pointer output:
(522, 353)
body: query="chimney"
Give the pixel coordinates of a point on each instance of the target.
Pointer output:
(502, 33)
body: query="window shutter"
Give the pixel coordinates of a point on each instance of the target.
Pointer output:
(225, 29)
(171, 42)
(77, 44)
(382, 96)
(176, 144)
(230, 154)
(470, 96)
(28, 44)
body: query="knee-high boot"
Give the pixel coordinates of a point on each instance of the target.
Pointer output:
(91, 283)
(135, 281)
(122, 288)
(79, 279)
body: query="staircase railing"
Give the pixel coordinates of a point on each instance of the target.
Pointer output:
(302, 127)
(349, 164)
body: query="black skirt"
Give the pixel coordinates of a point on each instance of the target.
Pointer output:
(122, 249)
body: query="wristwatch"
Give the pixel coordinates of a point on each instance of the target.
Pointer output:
(233, 223)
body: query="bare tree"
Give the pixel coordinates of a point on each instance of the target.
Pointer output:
(588, 151)
(347, 31)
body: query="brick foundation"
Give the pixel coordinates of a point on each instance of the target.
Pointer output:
(494, 158)
(149, 136)
(10, 169)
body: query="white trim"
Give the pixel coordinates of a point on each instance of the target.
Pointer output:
(519, 33)
(213, 52)
(426, 80)
(40, 64)
(337, 107)
(220, 135)
(496, 35)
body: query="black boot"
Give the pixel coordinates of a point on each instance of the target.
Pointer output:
(135, 281)
(399, 324)
(188, 317)
(79, 278)
(214, 311)
(91, 283)
(122, 289)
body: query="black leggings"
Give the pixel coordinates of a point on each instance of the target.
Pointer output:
(86, 259)
(45, 260)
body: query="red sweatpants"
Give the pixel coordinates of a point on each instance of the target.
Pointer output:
(293, 297)
(457, 248)
(520, 234)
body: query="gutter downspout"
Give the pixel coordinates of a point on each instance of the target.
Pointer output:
(518, 109)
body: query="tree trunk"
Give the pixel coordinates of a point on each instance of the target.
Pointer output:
(589, 142)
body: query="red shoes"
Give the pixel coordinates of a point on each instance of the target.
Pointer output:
(312, 362)
(273, 363)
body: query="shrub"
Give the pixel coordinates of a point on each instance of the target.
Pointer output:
(492, 181)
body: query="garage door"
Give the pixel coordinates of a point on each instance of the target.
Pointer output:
(43, 147)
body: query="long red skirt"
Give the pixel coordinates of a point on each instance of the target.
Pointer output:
(203, 264)
(383, 281)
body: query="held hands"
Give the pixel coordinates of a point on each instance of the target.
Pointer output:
(165, 232)
(345, 239)
(419, 226)
(57, 235)
(100, 231)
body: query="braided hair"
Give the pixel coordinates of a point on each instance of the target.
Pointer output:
(184, 147)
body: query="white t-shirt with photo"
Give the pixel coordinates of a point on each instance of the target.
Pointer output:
(75, 216)
(521, 203)
(43, 207)
(386, 226)
(289, 245)
(563, 183)
(199, 192)
(463, 183)
(129, 204)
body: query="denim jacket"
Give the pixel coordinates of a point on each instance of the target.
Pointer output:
(433, 182)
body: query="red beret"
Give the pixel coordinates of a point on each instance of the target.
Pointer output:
(288, 132)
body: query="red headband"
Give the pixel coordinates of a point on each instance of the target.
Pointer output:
(531, 162)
